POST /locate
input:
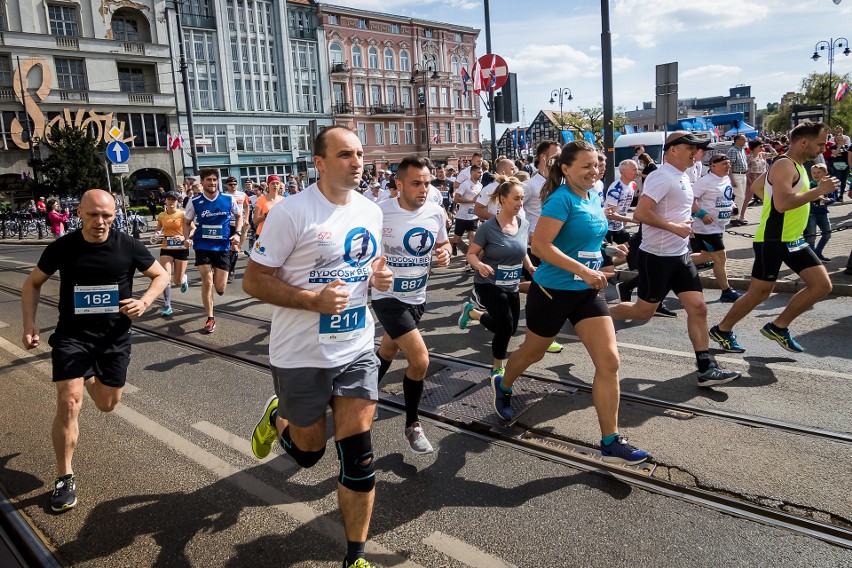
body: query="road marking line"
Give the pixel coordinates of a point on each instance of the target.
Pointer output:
(730, 360)
(277, 499)
(464, 552)
(280, 463)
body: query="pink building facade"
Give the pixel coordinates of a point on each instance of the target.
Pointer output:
(396, 81)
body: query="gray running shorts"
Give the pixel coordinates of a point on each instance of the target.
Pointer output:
(304, 393)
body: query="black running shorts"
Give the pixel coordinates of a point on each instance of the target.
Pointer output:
(547, 309)
(75, 358)
(710, 243)
(769, 256)
(465, 225)
(218, 259)
(177, 254)
(659, 274)
(397, 317)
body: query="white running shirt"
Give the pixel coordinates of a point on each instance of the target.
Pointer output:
(467, 190)
(312, 242)
(493, 207)
(532, 199)
(671, 191)
(715, 195)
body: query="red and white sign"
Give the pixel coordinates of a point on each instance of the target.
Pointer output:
(493, 64)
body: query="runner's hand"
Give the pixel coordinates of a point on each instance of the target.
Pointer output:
(683, 229)
(334, 298)
(187, 243)
(30, 338)
(442, 257)
(382, 277)
(828, 185)
(707, 219)
(132, 307)
(484, 270)
(594, 278)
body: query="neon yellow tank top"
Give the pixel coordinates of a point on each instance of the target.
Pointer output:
(784, 227)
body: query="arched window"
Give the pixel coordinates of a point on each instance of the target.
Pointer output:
(357, 57)
(373, 57)
(388, 59)
(430, 61)
(454, 65)
(130, 25)
(336, 53)
(466, 64)
(404, 61)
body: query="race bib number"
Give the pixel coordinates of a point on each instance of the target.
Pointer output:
(405, 285)
(345, 326)
(725, 212)
(445, 194)
(213, 232)
(96, 299)
(801, 244)
(508, 276)
(173, 243)
(593, 260)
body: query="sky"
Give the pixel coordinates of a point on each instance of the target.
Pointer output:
(718, 44)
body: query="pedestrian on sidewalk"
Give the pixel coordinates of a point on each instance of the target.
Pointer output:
(818, 217)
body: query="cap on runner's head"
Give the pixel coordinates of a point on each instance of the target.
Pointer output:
(172, 195)
(231, 179)
(272, 178)
(685, 137)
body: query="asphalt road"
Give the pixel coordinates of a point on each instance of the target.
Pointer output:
(168, 478)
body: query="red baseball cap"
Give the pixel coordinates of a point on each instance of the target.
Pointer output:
(272, 178)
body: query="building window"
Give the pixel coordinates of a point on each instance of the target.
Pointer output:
(336, 53)
(393, 131)
(63, 20)
(394, 28)
(5, 71)
(131, 79)
(360, 96)
(357, 59)
(2, 18)
(422, 133)
(406, 97)
(448, 132)
(70, 74)
(373, 58)
(468, 133)
(362, 24)
(375, 95)
(379, 130)
(427, 32)
(362, 133)
(124, 29)
(458, 99)
(457, 37)
(445, 96)
(409, 133)
(149, 129)
(238, 95)
(217, 134)
(389, 59)
(433, 97)
(454, 65)
(203, 69)
(458, 133)
(337, 89)
(391, 95)
(259, 138)
(333, 20)
(404, 61)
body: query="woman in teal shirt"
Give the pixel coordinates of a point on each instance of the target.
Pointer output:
(567, 286)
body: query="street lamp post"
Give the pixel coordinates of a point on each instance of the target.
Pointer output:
(830, 46)
(423, 99)
(562, 94)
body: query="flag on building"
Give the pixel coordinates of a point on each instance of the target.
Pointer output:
(465, 78)
(435, 139)
(173, 142)
(842, 89)
(493, 73)
(522, 139)
(477, 78)
(514, 138)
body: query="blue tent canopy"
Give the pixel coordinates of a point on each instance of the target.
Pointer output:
(744, 128)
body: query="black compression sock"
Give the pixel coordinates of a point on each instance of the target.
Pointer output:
(703, 360)
(354, 551)
(384, 365)
(412, 391)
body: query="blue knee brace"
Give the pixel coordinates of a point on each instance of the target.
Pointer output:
(357, 463)
(303, 458)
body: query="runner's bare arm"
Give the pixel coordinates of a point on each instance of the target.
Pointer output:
(260, 282)
(30, 294)
(781, 176)
(132, 307)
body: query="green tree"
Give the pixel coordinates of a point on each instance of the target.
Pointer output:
(75, 163)
(591, 119)
(816, 90)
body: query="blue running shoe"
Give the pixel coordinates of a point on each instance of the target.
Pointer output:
(783, 338)
(727, 340)
(715, 376)
(502, 399)
(729, 296)
(184, 285)
(464, 318)
(167, 312)
(621, 452)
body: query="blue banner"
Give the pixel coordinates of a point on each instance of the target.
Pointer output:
(567, 136)
(589, 136)
(628, 129)
(522, 139)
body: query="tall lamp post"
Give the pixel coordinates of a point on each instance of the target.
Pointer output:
(423, 98)
(830, 45)
(563, 94)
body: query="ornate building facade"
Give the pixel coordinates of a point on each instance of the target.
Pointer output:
(396, 81)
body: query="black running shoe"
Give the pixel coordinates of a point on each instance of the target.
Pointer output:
(664, 312)
(64, 494)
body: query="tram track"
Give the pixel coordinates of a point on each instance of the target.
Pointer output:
(538, 444)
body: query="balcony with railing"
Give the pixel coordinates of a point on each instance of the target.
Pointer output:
(387, 109)
(110, 99)
(133, 47)
(339, 67)
(66, 42)
(98, 47)
(343, 108)
(198, 20)
(7, 94)
(73, 95)
(302, 32)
